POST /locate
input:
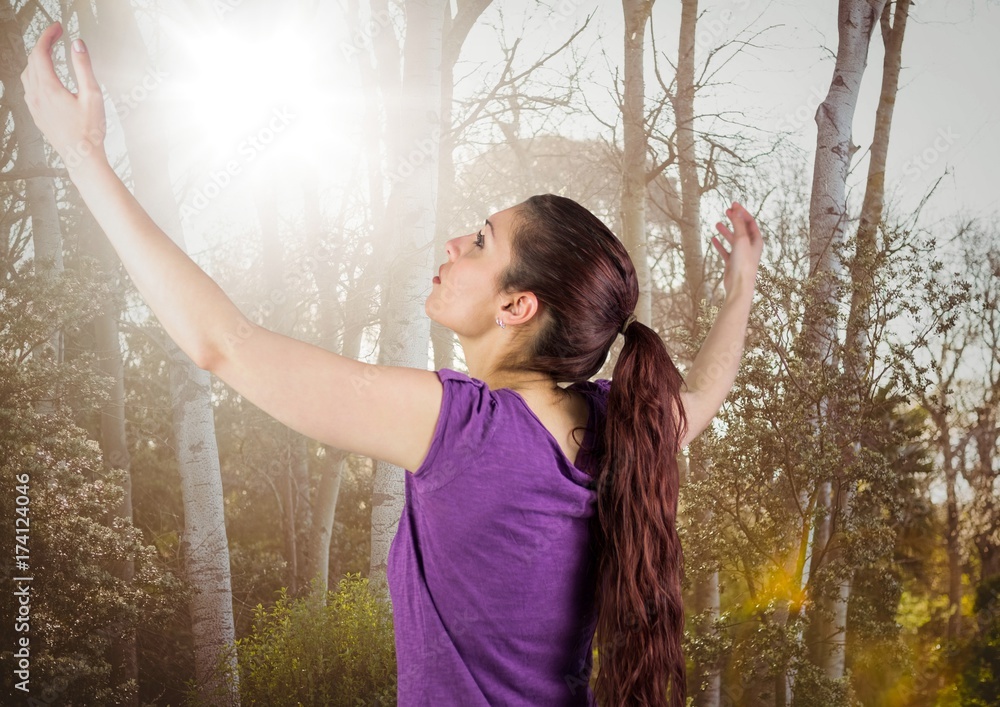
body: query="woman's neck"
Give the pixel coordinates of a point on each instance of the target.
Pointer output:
(531, 385)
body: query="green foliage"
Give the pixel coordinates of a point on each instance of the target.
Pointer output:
(79, 604)
(814, 689)
(979, 684)
(789, 425)
(302, 652)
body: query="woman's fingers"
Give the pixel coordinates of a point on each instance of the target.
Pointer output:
(74, 124)
(721, 228)
(41, 72)
(722, 251)
(747, 222)
(738, 215)
(744, 229)
(84, 71)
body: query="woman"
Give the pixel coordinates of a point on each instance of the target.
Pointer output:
(518, 539)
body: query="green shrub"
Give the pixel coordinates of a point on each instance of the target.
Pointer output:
(301, 652)
(980, 677)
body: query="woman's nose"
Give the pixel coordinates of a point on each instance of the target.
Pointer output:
(454, 246)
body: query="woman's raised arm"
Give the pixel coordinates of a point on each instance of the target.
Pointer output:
(193, 309)
(714, 368)
(384, 412)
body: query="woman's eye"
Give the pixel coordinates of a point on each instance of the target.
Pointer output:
(480, 239)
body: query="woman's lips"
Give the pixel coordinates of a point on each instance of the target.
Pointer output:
(437, 280)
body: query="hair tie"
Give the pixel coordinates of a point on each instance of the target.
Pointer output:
(631, 318)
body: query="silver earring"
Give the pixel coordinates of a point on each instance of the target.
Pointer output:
(502, 325)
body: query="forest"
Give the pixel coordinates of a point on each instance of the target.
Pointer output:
(166, 542)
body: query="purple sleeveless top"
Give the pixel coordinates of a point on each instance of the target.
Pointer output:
(489, 572)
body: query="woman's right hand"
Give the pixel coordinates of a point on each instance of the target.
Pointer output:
(747, 245)
(74, 123)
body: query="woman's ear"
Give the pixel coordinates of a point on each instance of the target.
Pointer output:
(526, 306)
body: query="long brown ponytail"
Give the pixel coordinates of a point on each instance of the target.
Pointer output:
(586, 281)
(641, 564)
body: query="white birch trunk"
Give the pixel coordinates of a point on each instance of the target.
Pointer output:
(409, 231)
(857, 359)
(323, 506)
(633, 200)
(827, 224)
(40, 198)
(114, 447)
(120, 58)
(706, 679)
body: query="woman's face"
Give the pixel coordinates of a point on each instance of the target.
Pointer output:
(465, 299)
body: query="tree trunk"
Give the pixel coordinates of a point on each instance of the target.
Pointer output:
(204, 546)
(326, 274)
(952, 539)
(687, 159)
(119, 55)
(455, 31)
(409, 230)
(827, 224)
(294, 481)
(324, 513)
(633, 204)
(858, 362)
(984, 436)
(114, 443)
(40, 198)
(706, 679)
(325, 504)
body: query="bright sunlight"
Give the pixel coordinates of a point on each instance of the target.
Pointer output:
(251, 100)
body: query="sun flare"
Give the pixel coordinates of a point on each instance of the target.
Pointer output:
(271, 96)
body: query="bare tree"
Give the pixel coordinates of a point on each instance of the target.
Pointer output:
(415, 120)
(48, 246)
(120, 57)
(706, 678)
(633, 230)
(456, 30)
(858, 358)
(980, 445)
(331, 317)
(827, 226)
(40, 199)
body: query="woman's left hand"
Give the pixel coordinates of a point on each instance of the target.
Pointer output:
(74, 123)
(747, 245)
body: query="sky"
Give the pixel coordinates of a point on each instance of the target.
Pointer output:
(943, 127)
(947, 107)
